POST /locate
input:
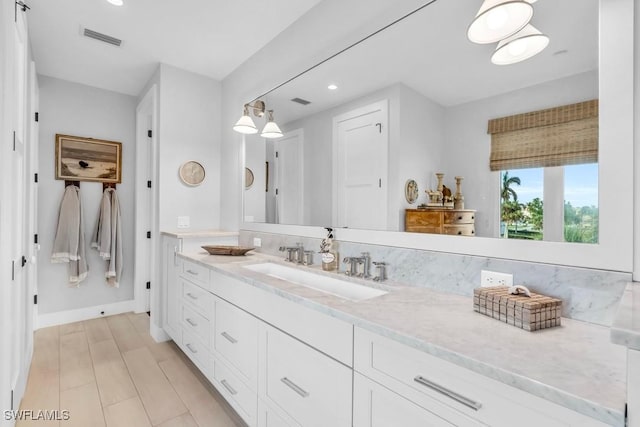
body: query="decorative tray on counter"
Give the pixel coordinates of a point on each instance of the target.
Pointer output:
(226, 250)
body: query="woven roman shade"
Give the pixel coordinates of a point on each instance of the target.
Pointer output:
(565, 135)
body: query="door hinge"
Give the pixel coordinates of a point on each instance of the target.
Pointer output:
(276, 154)
(35, 177)
(148, 234)
(148, 184)
(35, 239)
(14, 140)
(626, 413)
(23, 261)
(276, 191)
(12, 400)
(35, 299)
(148, 285)
(37, 117)
(13, 270)
(149, 133)
(379, 182)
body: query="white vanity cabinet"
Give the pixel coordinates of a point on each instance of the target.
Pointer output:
(455, 394)
(315, 390)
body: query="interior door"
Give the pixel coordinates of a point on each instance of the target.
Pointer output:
(18, 290)
(289, 178)
(361, 153)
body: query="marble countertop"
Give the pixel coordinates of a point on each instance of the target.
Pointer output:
(186, 233)
(626, 326)
(575, 365)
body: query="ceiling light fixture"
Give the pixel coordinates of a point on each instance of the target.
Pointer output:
(499, 19)
(332, 87)
(116, 2)
(520, 46)
(271, 129)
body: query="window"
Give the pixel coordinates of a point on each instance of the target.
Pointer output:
(552, 203)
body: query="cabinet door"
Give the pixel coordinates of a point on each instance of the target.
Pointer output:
(173, 293)
(377, 406)
(269, 417)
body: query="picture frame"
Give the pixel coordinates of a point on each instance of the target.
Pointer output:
(88, 159)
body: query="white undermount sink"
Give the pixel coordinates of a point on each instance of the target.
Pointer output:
(330, 285)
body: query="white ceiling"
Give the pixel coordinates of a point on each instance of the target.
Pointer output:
(430, 53)
(209, 37)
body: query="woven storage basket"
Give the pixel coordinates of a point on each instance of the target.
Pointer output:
(529, 313)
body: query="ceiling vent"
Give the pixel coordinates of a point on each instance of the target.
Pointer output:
(102, 37)
(301, 101)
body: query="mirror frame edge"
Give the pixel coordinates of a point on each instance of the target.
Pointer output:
(615, 248)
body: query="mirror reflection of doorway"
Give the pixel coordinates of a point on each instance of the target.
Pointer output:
(361, 154)
(285, 200)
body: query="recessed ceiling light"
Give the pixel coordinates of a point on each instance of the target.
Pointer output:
(116, 2)
(332, 87)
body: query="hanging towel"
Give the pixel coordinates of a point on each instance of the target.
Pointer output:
(107, 237)
(68, 245)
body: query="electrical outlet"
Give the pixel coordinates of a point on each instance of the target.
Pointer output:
(493, 278)
(257, 242)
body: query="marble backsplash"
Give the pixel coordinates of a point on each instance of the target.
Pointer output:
(587, 294)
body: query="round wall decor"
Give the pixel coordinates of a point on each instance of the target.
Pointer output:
(191, 173)
(411, 191)
(248, 178)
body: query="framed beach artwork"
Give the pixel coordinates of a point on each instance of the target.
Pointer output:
(88, 159)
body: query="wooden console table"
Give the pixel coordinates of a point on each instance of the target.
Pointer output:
(460, 222)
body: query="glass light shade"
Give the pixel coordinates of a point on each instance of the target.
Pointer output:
(116, 2)
(499, 19)
(245, 125)
(271, 130)
(520, 46)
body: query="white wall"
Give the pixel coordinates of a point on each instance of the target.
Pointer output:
(190, 111)
(75, 109)
(469, 145)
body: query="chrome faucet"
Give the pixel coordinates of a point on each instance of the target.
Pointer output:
(381, 271)
(299, 253)
(353, 266)
(365, 260)
(290, 252)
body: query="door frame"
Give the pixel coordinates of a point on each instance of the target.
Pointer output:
(146, 214)
(383, 106)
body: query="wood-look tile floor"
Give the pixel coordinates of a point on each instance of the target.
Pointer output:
(109, 372)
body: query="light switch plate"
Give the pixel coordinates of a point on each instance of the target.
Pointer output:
(184, 222)
(257, 242)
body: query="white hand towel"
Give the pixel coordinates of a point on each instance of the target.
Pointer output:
(69, 245)
(107, 237)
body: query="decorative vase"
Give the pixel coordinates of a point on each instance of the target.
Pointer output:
(458, 198)
(440, 176)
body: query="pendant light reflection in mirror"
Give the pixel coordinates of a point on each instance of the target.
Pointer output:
(507, 22)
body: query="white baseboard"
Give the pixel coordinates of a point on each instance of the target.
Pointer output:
(86, 313)
(158, 333)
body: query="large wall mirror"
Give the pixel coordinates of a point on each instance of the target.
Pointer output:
(415, 100)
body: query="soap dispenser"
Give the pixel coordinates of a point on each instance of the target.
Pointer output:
(328, 250)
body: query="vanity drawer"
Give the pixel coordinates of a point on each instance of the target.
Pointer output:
(423, 219)
(242, 398)
(198, 297)
(195, 272)
(196, 324)
(458, 395)
(236, 339)
(197, 351)
(460, 230)
(460, 217)
(310, 387)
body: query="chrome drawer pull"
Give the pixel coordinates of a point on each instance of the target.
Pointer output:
(191, 322)
(231, 339)
(293, 386)
(195, 273)
(190, 295)
(228, 387)
(452, 394)
(191, 348)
